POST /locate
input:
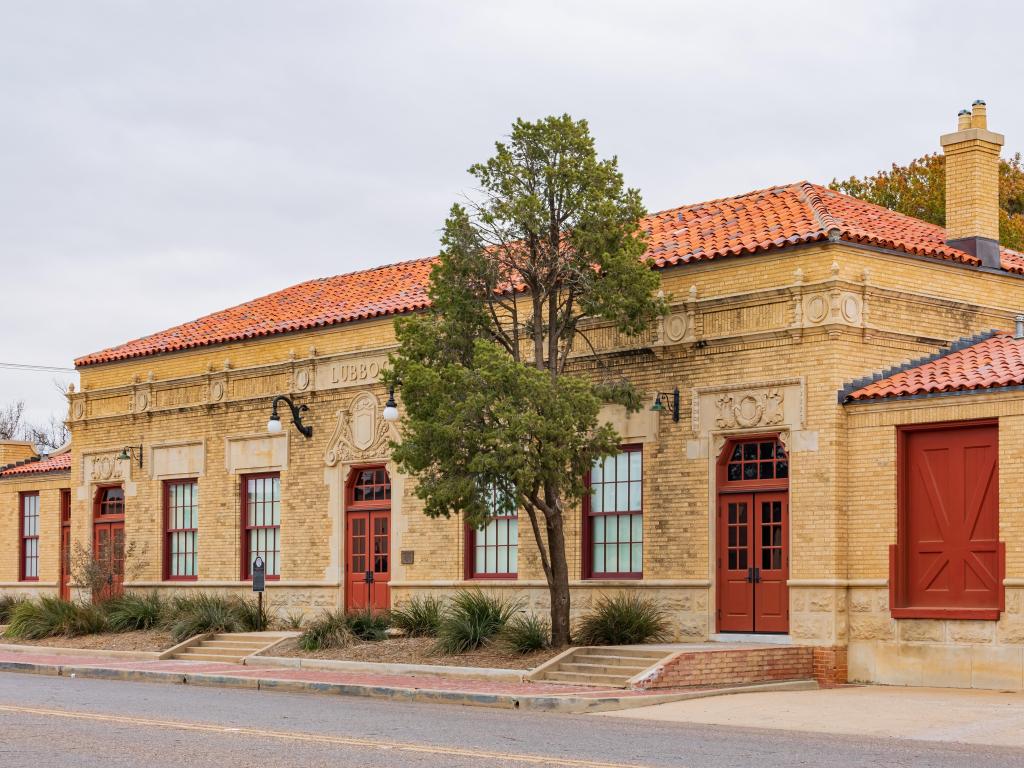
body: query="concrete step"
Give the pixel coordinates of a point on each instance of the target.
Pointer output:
(234, 646)
(230, 653)
(265, 638)
(632, 653)
(598, 669)
(626, 662)
(577, 678)
(188, 655)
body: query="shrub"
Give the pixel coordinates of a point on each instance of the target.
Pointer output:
(369, 626)
(7, 605)
(250, 617)
(202, 613)
(292, 620)
(526, 633)
(330, 630)
(131, 612)
(420, 617)
(623, 619)
(50, 617)
(472, 619)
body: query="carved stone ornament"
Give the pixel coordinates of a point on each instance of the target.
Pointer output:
(105, 469)
(749, 409)
(217, 391)
(675, 327)
(78, 409)
(301, 379)
(359, 434)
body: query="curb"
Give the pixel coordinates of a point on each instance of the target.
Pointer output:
(559, 703)
(48, 650)
(435, 670)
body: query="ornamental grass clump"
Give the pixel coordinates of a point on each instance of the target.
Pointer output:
(8, 603)
(329, 630)
(369, 626)
(419, 617)
(132, 612)
(50, 616)
(527, 633)
(203, 613)
(622, 619)
(472, 619)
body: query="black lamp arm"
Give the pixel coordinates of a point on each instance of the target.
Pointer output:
(296, 413)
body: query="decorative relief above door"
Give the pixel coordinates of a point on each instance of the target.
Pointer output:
(770, 405)
(360, 432)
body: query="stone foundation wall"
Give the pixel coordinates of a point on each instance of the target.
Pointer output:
(932, 652)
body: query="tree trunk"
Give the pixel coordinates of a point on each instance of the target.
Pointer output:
(558, 582)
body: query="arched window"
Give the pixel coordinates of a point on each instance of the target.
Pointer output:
(110, 502)
(758, 461)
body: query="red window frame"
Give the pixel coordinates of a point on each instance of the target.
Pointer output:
(247, 553)
(899, 552)
(589, 516)
(375, 494)
(109, 509)
(27, 538)
(471, 545)
(171, 531)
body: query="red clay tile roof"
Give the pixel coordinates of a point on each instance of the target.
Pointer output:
(997, 360)
(59, 463)
(757, 221)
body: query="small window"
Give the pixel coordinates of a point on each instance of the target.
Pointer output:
(757, 461)
(371, 485)
(29, 536)
(495, 547)
(261, 510)
(614, 516)
(181, 511)
(111, 502)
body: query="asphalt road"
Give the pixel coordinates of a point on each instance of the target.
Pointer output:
(48, 721)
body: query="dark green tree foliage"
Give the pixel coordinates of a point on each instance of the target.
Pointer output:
(496, 416)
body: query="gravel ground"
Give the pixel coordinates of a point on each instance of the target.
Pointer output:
(147, 640)
(418, 650)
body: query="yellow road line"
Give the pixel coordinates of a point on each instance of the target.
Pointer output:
(347, 741)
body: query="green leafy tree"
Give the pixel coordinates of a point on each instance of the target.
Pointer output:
(919, 190)
(500, 385)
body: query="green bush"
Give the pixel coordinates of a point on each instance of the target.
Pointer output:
(419, 617)
(292, 620)
(330, 630)
(526, 633)
(472, 619)
(131, 612)
(369, 626)
(203, 613)
(7, 605)
(623, 619)
(50, 616)
(250, 618)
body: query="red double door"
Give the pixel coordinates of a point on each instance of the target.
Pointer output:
(368, 541)
(753, 562)
(108, 548)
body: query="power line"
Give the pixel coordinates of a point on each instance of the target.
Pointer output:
(30, 367)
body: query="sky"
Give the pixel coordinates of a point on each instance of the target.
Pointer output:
(163, 160)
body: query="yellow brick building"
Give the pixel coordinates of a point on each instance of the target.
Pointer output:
(768, 503)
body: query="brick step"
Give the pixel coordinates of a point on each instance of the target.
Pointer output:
(579, 678)
(599, 669)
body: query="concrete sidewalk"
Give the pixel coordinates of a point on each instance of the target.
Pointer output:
(553, 697)
(927, 714)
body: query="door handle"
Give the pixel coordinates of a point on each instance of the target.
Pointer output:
(369, 577)
(756, 575)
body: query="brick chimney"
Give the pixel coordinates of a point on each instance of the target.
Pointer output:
(12, 451)
(972, 185)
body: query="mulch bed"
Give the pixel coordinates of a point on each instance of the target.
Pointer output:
(417, 650)
(144, 640)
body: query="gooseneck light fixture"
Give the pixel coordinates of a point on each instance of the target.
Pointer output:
(661, 402)
(390, 412)
(274, 422)
(130, 452)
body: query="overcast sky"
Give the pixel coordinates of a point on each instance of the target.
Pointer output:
(162, 160)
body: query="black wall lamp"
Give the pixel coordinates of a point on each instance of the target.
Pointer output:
(130, 452)
(661, 402)
(274, 422)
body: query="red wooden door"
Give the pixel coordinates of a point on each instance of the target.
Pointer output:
(735, 586)
(108, 546)
(65, 544)
(369, 561)
(368, 541)
(753, 562)
(951, 519)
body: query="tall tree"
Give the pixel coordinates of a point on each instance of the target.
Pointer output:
(918, 189)
(498, 416)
